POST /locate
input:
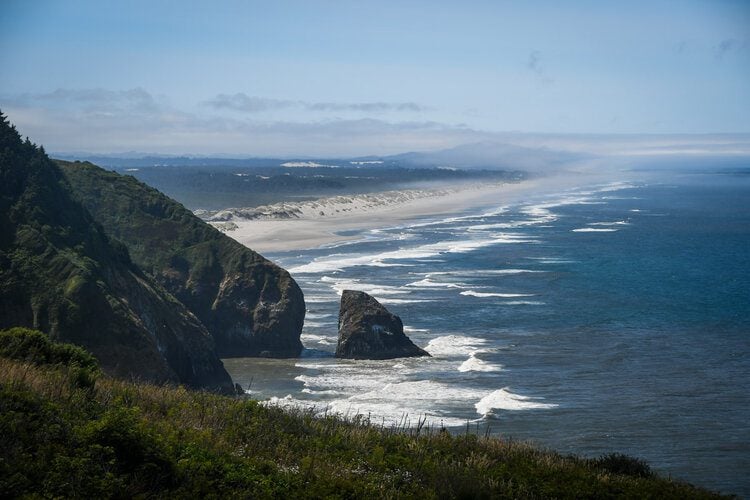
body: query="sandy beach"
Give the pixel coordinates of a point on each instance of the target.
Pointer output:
(311, 224)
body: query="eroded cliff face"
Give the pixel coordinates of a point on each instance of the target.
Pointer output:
(250, 306)
(265, 322)
(60, 273)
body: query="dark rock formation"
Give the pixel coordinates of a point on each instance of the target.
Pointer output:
(61, 274)
(250, 306)
(367, 330)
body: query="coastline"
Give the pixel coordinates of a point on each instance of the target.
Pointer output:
(510, 303)
(312, 224)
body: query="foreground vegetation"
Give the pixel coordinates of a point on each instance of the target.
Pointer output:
(66, 430)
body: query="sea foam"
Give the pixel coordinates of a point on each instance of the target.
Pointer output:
(320, 339)
(454, 346)
(311, 315)
(482, 272)
(474, 364)
(473, 293)
(503, 399)
(615, 223)
(341, 284)
(339, 262)
(393, 300)
(428, 283)
(318, 324)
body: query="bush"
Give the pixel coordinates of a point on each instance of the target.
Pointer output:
(617, 463)
(137, 450)
(32, 346)
(35, 347)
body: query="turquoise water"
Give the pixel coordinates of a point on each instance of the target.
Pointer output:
(608, 318)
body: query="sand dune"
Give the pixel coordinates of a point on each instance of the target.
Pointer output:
(325, 207)
(314, 223)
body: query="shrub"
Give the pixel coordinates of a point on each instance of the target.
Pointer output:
(34, 347)
(618, 463)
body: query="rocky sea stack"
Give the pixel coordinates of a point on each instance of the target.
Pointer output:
(367, 330)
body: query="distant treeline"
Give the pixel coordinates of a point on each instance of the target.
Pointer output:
(254, 183)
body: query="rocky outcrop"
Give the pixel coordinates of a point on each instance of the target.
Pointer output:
(61, 274)
(250, 306)
(367, 330)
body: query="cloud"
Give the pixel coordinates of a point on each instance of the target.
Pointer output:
(136, 100)
(69, 119)
(368, 107)
(104, 121)
(536, 67)
(114, 121)
(681, 47)
(728, 46)
(254, 104)
(533, 63)
(249, 104)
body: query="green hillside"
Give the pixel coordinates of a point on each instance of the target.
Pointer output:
(62, 274)
(61, 437)
(249, 305)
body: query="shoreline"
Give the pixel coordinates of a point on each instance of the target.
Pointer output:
(317, 223)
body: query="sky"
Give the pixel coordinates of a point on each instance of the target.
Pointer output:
(337, 78)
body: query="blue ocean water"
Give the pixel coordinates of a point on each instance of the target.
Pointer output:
(613, 317)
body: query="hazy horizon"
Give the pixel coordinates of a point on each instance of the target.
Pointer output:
(324, 79)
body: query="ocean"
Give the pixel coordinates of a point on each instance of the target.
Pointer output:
(608, 318)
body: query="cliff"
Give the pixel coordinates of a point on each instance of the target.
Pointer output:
(250, 306)
(60, 273)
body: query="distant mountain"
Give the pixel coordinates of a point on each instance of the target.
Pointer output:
(250, 306)
(62, 274)
(492, 156)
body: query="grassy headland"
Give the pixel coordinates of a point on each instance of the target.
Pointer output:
(65, 434)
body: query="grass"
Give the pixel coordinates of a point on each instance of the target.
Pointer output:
(59, 437)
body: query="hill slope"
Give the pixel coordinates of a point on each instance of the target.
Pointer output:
(250, 306)
(61, 436)
(60, 273)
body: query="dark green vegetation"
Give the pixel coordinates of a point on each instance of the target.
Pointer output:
(62, 274)
(214, 184)
(35, 347)
(248, 304)
(116, 438)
